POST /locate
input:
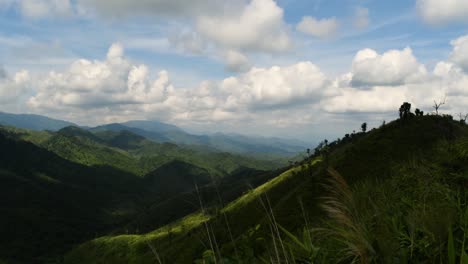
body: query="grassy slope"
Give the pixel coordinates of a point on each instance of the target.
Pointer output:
(408, 182)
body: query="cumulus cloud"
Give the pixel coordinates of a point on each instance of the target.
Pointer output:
(447, 80)
(100, 84)
(259, 26)
(13, 87)
(236, 61)
(116, 89)
(361, 18)
(443, 11)
(216, 27)
(292, 85)
(392, 68)
(459, 54)
(321, 28)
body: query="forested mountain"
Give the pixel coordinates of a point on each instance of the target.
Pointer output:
(114, 196)
(261, 147)
(394, 194)
(61, 188)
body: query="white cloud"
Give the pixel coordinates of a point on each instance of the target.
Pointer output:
(236, 61)
(100, 84)
(459, 54)
(392, 68)
(116, 89)
(322, 28)
(12, 88)
(259, 26)
(181, 8)
(301, 83)
(443, 11)
(385, 94)
(361, 18)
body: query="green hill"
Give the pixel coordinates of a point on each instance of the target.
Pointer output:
(397, 194)
(52, 200)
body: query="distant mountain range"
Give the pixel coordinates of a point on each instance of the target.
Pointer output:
(34, 122)
(160, 132)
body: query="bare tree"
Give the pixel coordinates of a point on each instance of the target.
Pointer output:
(463, 118)
(438, 105)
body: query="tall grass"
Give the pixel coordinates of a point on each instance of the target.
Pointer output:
(346, 226)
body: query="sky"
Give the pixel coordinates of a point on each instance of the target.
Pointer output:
(306, 69)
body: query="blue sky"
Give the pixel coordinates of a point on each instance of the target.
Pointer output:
(294, 68)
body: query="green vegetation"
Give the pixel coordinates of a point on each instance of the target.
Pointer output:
(397, 194)
(133, 153)
(87, 188)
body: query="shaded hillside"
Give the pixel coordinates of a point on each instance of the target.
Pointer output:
(185, 177)
(50, 203)
(401, 196)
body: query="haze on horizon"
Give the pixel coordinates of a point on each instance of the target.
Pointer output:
(289, 68)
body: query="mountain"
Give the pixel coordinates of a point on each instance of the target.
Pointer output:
(260, 147)
(72, 187)
(33, 122)
(396, 194)
(131, 152)
(115, 127)
(153, 126)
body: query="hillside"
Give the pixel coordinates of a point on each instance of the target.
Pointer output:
(396, 194)
(50, 203)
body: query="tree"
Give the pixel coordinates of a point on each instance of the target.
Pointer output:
(436, 105)
(463, 118)
(405, 110)
(364, 127)
(418, 112)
